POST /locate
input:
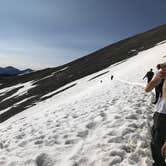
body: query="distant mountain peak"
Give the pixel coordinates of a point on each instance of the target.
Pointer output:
(9, 67)
(10, 71)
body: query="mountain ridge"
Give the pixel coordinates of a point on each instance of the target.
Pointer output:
(12, 71)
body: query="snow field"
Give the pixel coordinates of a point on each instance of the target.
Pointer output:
(95, 123)
(104, 129)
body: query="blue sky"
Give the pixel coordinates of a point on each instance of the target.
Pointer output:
(48, 33)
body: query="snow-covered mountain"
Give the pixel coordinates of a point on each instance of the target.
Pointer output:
(64, 119)
(11, 71)
(49, 80)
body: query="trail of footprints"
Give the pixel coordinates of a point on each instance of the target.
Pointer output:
(133, 145)
(128, 142)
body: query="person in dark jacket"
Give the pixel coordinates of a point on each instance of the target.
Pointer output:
(149, 75)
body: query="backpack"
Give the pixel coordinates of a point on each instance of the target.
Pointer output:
(158, 90)
(150, 75)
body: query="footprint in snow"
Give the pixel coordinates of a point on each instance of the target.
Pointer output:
(75, 164)
(117, 117)
(127, 131)
(4, 145)
(115, 160)
(103, 115)
(30, 163)
(137, 105)
(71, 141)
(38, 142)
(51, 142)
(115, 139)
(112, 133)
(25, 124)
(83, 161)
(22, 144)
(91, 125)
(133, 158)
(83, 134)
(132, 116)
(143, 124)
(44, 160)
(133, 125)
(126, 148)
(9, 128)
(113, 102)
(138, 111)
(1, 145)
(74, 116)
(20, 136)
(49, 122)
(119, 152)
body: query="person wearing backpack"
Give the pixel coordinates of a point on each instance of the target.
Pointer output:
(149, 75)
(158, 142)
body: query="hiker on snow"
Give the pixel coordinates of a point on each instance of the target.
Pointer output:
(149, 75)
(158, 142)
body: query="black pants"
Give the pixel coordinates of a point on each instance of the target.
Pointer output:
(158, 138)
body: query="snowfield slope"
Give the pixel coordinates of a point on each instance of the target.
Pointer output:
(95, 121)
(38, 84)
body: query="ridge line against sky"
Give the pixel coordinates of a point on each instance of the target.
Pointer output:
(40, 34)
